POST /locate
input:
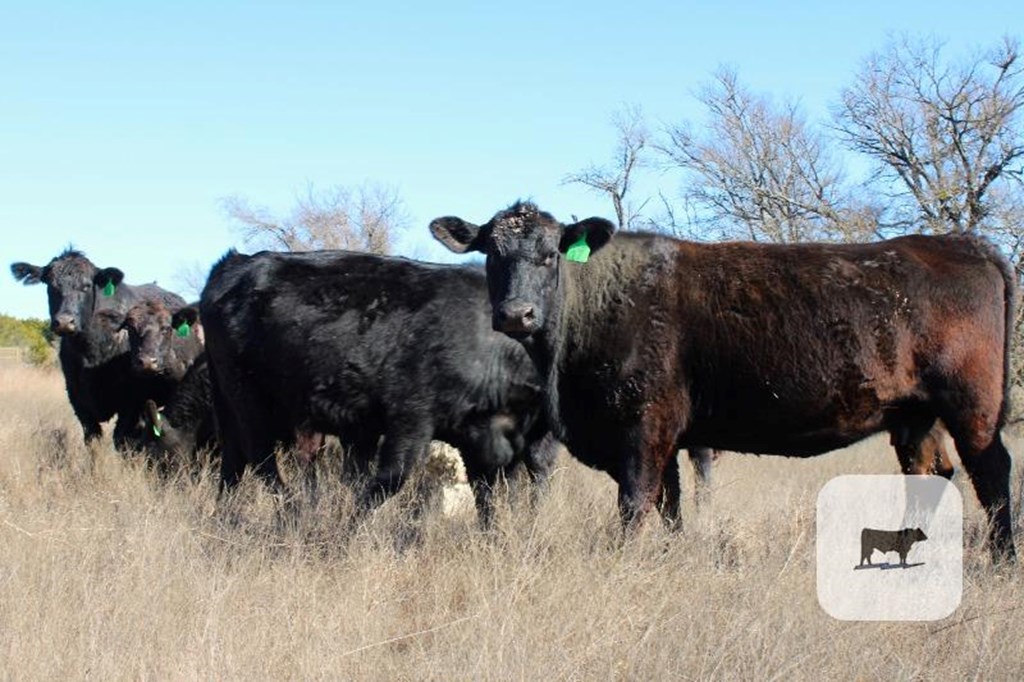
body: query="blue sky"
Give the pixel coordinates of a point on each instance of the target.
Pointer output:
(121, 126)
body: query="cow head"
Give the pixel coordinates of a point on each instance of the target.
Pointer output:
(918, 535)
(156, 336)
(525, 249)
(74, 287)
(160, 438)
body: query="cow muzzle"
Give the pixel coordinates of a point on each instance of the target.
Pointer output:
(148, 364)
(63, 325)
(516, 318)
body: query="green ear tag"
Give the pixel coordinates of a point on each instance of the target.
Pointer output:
(579, 252)
(183, 330)
(156, 429)
(109, 289)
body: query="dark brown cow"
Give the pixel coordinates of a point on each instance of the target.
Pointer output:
(163, 339)
(655, 344)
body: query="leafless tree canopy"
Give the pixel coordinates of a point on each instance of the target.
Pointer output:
(942, 137)
(757, 170)
(615, 180)
(366, 218)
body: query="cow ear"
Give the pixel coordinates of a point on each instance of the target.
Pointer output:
(183, 320)
(108, 279)
(588, 236)
(26, 273)
(154, 422)
(112, 275)
(455, 233)
(188, 315)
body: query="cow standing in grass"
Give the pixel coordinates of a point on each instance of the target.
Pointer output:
(362, 346)
(649, 343)
(168, 342)
(87, 307)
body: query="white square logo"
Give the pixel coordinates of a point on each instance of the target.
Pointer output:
(890, 547)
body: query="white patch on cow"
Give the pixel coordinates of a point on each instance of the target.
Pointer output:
(444, 466)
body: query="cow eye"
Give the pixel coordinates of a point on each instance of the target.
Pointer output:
(549, 260)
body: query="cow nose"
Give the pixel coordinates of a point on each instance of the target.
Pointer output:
(516, 317)
(63, 324)
(148, 364)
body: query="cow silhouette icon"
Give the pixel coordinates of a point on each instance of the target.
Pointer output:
(899, 541)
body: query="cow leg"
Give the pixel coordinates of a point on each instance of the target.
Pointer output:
(646, 454)
(359, 456)
(77, 396)
(670, 495)
(405, 446)
(92, 432)
(934, 441)
(540, 459)
(245, 434)
(483, 482)
(989, 470)
(92, 429)
(487, 448)
(306, 449)
(987, 462)
(701, 460)
(126, 430)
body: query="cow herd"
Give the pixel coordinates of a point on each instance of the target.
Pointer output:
(624, 348)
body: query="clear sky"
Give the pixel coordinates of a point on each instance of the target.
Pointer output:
(121, 125)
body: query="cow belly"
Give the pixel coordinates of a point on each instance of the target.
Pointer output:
(773, 442)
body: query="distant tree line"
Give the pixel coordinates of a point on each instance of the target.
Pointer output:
(32, 335)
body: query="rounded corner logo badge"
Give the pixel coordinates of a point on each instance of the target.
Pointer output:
(889, 547)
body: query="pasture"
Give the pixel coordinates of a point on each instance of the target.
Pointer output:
(107, 572)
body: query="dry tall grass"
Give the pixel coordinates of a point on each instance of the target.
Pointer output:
(108, 573)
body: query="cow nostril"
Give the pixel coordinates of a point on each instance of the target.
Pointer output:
(516, 319)
(63, 325)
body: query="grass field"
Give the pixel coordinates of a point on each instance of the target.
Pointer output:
(108, 573)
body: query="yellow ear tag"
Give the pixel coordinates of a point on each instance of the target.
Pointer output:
(579, 251)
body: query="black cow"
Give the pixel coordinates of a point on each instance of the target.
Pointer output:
(361, 346)
(899, 541)
(185, 426)
(169, 343)
(655, 343)
(87, 307)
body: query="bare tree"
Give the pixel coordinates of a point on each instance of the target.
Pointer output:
(943, 137)
(616, 179)
(190, 278)
(757, 170)
(947, 143)
(365, 218)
